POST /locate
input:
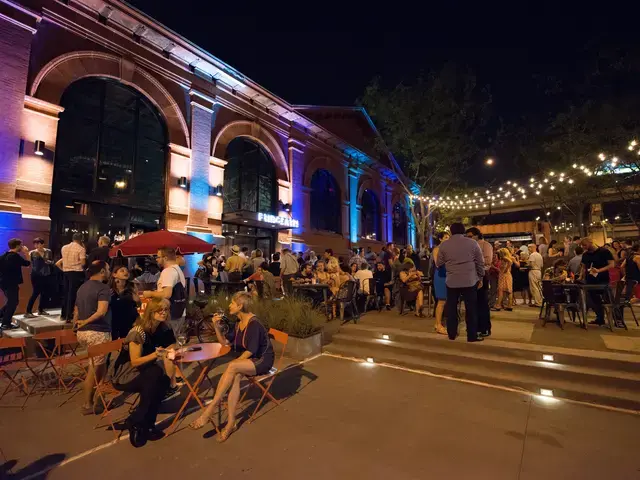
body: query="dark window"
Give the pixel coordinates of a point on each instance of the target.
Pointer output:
(325, 202)
(370, 216)
(249, 178)
(399, 224)
(110, 147)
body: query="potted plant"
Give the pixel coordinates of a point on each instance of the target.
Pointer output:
(291, 315)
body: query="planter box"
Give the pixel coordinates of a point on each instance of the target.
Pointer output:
(302, 348)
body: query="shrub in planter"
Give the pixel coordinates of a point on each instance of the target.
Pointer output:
(291, 315)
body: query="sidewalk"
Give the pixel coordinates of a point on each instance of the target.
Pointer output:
(523, 326)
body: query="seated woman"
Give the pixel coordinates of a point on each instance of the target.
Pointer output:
(322, 276)
(138, 370)
(263, 275)
(557, 273)
(251, 339)
(411, 280)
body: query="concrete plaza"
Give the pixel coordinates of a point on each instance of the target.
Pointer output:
(343, 420)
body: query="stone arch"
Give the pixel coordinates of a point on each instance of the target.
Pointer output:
(367, 183)
(332, 167)
(257, 133)
(51, 82)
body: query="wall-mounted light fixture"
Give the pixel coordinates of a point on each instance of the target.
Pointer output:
(286, 207)
(182, 182)
(120, 184)
(38, 148)
(219, 190)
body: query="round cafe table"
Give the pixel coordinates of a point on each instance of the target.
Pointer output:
(202, 354)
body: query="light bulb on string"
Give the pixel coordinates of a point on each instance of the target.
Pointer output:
(602, 157)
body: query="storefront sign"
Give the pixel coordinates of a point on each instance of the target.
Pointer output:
(277, 220)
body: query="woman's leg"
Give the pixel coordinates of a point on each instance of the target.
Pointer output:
(439, 311)
(244, 367)
(499, 301)
(419, 302)
(387, 296)
(233, 398)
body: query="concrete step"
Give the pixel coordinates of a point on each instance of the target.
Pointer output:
(616, 361)
(41, 323)
(619, 388)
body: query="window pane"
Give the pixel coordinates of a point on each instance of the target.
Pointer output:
(76, 157)
(149, 126)
(120, 107)
(325, 202)
(149, 174)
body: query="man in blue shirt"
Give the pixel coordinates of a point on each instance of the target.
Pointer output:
(463, 260)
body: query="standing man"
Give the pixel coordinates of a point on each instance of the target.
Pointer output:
(11, 264)
(92, 318)
(596, 263)
(571, 249)
(288, 269)
(41, 270)
(370, 257)
(171, 285)
(328, 255)
(484, 315)
(356, 258)
(235, 265)
(576, 261)
(101, 252)
(463, 260)
(72, 263)
(535, 275)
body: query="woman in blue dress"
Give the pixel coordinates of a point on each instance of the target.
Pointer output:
(439, 284)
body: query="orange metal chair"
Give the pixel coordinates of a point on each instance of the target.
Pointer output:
(283, 339)
(103, 387)
(14, 366)
(62, 354)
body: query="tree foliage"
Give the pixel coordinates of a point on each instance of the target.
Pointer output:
(435, 127)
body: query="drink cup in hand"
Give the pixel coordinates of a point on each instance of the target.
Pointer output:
(171, 354)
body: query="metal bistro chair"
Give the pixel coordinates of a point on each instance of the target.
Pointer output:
(614, 307)
(630, 286)
(346, 297)
(370, 283)
(561, 300)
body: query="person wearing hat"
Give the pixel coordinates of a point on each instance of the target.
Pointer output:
(235, 264)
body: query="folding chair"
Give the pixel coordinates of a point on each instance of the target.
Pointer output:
(105, 388)
(283, 339)
(65, 343)
(14, 365)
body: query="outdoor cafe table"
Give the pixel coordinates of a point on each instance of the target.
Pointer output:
(315, 286)
(203, 354)
(583, 289)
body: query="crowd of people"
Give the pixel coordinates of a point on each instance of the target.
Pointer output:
(102, 299)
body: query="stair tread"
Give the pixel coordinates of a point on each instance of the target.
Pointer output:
(491, 342)
(506, 377)
(476, 353)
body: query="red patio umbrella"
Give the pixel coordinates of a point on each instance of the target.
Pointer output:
(149, 243)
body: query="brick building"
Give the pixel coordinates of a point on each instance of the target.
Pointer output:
(112, 123)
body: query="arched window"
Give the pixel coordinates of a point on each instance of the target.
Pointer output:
(370, 215)
(110, 162)
(399, 224)
(249, 178)
(325, 202)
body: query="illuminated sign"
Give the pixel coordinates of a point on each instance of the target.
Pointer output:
(276, 220)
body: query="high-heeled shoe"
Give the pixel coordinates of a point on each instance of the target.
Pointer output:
(226, 432)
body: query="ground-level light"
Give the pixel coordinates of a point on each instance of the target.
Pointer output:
(370, 360)
(547, 358)
(545, 392)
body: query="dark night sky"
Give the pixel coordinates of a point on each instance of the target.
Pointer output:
(325, 54)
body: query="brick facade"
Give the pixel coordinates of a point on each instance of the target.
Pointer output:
(42, 52)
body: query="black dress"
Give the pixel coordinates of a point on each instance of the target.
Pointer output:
(124, 312)
(255, 339)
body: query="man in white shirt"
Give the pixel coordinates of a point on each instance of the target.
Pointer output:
(362, 275)
(74, 257)
(171, 284)
(535, 275)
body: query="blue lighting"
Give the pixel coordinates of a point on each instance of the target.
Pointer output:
(11, 227)
(191, 261)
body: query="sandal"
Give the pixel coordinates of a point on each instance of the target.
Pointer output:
(441, 330)
(199, 423)
(226, 432)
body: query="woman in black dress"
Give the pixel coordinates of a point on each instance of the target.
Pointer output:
(124, 302)
(250, 338)
(139, 369)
